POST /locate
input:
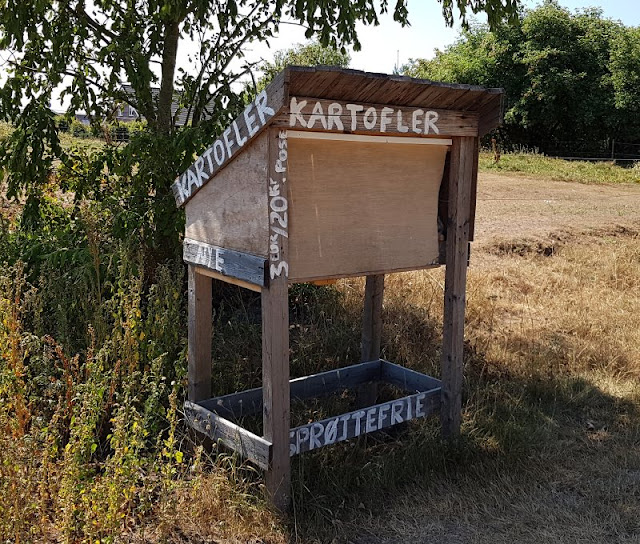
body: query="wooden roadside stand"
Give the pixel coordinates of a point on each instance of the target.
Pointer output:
(332, 173)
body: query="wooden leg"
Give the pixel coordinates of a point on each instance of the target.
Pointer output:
(460, 185)
(199, 350)
(371, 333)
(275, 384)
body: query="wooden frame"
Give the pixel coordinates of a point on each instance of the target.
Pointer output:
(213, 417)
(328, 204)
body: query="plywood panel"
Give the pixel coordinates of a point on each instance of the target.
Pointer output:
(231, 210)
(362, 208)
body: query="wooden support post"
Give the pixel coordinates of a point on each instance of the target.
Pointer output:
(199, 350)
(275, 331)
(460, 181)
(474, 191)
(371, 333)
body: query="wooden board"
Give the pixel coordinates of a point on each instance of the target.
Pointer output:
(371, 333)
(199, 335)
(336, 429)
(233, 140)
(275, 326)
(328, 115)
(226, 262)
(247, 444)
(461, 173)
(362, 208)
(406, 379)
(231, 210)
(237, 405)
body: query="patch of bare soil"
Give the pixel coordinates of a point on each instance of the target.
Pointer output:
(513, 207)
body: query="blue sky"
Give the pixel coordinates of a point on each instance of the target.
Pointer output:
(383, 45)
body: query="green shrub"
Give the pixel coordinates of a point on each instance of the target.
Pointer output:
(78, 129)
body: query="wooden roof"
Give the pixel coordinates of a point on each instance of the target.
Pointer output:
(343, 85)
(356, 86)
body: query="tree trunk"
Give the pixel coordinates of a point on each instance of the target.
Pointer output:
(165, 98)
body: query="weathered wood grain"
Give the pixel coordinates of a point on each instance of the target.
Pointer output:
(199, 336)
(460, 187)
(275, 330)
(362, 208)
(230, 211)
(366, 138)
(252, 447)
(234, 138)
(372, 318)
(336, 429)
(306, 113)
(474, 191)
(227, 262)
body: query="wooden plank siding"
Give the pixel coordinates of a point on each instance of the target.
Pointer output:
(230, 211)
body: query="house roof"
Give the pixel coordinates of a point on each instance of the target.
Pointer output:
(178, 114)
(339, 85)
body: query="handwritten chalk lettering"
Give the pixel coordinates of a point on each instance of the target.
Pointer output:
(306, 114)
(236, 264)
(332, 430)
(278, 214)
(233, 138)
(211, 257)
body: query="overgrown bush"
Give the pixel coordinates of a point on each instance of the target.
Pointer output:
(93, 365)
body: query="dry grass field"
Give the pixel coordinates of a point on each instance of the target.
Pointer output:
(550, 445)
(550, 449)
(551, 440)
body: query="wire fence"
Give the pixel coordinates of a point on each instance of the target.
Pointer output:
(603, 150)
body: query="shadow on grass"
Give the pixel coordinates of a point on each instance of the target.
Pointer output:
(510, 415)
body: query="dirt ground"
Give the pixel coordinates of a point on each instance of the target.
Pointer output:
(510, 207)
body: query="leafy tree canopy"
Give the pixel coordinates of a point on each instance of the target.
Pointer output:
(308, 54)
(85, 52)
(568, 76)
